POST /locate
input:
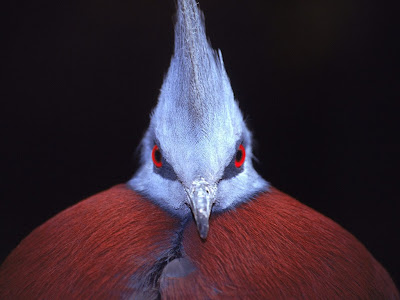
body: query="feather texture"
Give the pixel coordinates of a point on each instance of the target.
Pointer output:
(106, 247)
(115, 245)
(274, 247)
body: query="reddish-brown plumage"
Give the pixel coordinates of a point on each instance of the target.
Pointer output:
(116, 244)
(274, 247)
(103, 248)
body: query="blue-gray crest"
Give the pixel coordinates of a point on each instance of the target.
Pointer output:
(198, 129)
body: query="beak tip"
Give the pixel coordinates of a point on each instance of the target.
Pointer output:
(202, 227)
(203, 233)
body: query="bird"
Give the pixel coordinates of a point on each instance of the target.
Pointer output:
(196, 221)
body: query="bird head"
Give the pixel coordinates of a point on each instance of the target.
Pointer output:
(196, 154)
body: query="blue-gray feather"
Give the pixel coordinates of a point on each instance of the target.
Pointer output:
(196, 123)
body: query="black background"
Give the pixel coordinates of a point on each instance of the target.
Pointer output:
(318, 82)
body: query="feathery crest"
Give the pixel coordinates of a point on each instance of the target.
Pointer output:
(198, 126)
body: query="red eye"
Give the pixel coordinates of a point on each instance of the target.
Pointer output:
(240, 156)
(156, 156)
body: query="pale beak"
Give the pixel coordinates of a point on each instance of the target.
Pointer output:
(201, 197)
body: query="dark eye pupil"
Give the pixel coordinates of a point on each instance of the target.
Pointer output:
(157, 155)
(239, 155)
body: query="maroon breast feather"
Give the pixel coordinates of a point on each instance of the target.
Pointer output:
(274, 247)
(105, 247)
